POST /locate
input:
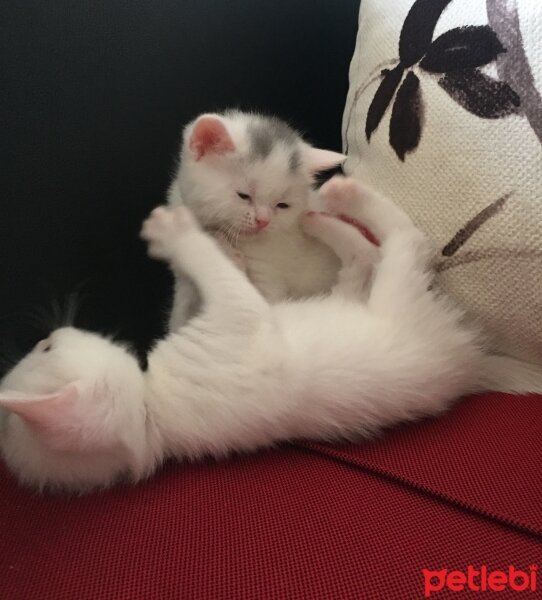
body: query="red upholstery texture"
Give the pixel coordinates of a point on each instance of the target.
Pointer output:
(311, 521)
(485, 455)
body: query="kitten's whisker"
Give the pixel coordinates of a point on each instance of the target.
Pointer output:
(224, 230)
(59, 313)
(231, 234)
(238, 233)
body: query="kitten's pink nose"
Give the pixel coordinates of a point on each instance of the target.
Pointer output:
(261, 223)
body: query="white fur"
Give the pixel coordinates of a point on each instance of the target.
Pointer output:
(244, 373)
(75, 445)
(280, 260)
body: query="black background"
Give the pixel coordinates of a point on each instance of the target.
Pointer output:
(93, 100)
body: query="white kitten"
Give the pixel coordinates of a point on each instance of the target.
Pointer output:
(244, 373)
(250, 177)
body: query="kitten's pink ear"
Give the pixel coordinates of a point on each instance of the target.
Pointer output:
(46, 414)
(210, 136)
(321, 160)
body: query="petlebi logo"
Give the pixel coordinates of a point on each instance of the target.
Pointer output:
(479, 579)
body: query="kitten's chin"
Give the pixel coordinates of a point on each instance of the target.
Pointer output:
(252, 231)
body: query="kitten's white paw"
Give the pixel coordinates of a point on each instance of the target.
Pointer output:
(163, 228)
(341, 194)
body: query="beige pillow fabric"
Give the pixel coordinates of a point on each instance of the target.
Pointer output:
(444, 114)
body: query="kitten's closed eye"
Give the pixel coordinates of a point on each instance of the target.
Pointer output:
(283, 205)
(244, 196)
(44, 345)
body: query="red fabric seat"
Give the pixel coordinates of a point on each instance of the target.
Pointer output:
(304, 521)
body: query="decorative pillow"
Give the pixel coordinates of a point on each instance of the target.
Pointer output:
(444, 114)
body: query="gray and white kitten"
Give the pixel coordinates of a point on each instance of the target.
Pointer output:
(248, 178)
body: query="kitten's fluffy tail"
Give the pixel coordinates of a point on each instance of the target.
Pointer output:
(506, 374)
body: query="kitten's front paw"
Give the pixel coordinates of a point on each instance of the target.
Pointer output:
(163, 228)
(341, 194)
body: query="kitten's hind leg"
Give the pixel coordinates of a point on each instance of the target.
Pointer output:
(403, 278)
(358, 256)
(347, 196)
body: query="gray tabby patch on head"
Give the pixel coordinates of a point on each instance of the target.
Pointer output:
(265, 132)
(294, 160)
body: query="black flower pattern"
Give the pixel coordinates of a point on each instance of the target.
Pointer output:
(456, 57)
